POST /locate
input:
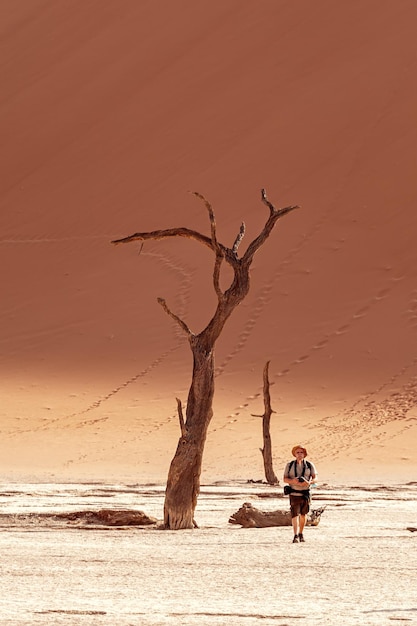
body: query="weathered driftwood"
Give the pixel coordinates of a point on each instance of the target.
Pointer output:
(250, 517)
(109, 517)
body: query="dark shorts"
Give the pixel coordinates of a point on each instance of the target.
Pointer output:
(299, 505)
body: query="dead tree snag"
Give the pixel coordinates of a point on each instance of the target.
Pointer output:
(266, 451)
(183, 483)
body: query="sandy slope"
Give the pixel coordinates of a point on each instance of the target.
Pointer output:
(110, 113)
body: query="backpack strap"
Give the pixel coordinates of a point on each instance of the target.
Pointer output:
(305, 465)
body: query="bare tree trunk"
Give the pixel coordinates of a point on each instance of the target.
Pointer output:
(183, 484)
(266, 451)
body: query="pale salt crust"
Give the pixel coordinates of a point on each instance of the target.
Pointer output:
(356, 564)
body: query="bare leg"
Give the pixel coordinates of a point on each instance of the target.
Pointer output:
(294, 521)
(302, 524)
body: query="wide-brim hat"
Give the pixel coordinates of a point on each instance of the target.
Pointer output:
(299, 448)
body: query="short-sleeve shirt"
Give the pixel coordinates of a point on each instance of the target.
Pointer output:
(292, 470)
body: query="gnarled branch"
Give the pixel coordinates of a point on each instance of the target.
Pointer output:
(274, 215)
(211, 217)
(216, 275)
(188, 233)
(166, 234)
(239, 238)
(179, 321)
(265, 200)
(218, 249)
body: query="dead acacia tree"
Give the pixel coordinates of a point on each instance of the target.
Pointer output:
(266, 451)
(183, 483)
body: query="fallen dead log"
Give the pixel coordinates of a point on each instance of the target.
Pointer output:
(109, 517)
(250, 517)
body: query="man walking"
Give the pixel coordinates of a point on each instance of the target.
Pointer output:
(299, 474)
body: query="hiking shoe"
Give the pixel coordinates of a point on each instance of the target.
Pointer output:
(295, 540)
(301, 537)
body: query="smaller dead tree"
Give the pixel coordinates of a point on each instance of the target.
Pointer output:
(266, 451)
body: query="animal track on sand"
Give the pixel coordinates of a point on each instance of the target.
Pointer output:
(181, 301)
(363, 310)
(360, 421)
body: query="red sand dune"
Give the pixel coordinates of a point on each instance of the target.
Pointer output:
(111, 112)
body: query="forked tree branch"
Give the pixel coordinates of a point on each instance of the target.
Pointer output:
(179, 321)
(218, 249)
(272, 209)
(267, 202)
(240, 285)
(188, 233)
(211, 217)
(274, 215)
(229, 254)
